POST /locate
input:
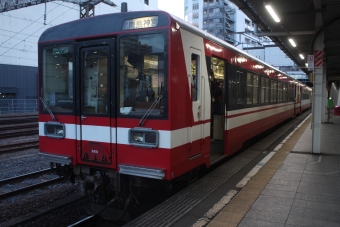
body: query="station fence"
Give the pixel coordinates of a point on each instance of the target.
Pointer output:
(14, 106)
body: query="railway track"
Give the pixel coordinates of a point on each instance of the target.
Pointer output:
(19, 146)
(26, 132)
(18, 119)
(22, 186)
(21, 126)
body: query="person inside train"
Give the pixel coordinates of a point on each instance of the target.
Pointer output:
(215, 91)
(218, 99)
(150, 94)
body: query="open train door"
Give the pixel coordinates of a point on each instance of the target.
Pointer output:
(218, 69)
(196, 133)
(95, 69)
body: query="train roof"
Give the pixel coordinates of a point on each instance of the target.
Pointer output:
(202, 33)
(112, 23)
(99, 25)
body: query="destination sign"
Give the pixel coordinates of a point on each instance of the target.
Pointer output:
(138, 23)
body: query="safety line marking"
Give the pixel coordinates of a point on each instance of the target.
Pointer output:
(215, 209)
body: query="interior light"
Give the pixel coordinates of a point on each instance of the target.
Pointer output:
(271, 12)
(306, 64)
(301, 56)
(292, 42)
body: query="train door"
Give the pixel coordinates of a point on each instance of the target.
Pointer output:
(196, 134)
(217, 84)
(95, 122)
(294, 89)
(297, 99)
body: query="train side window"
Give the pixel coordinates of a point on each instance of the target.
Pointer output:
(249, 88)
(195, 76)
(291, 92)
(279, 89)
(273, 91)
(265, 90)
(255, 89)
(285, 92)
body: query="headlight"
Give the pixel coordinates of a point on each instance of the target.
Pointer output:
(137, 137)
(143, 137)
(54, 130)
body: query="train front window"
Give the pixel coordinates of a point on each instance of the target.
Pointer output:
(57, 78)
(142, 80)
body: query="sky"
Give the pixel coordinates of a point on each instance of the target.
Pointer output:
(175, 7)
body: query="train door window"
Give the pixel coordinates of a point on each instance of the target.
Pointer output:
(256, 89)
(249, 88)
(279, 91)
(285, 92)
(273, 91)
(291, 92)
(57, 78)
(95, 81)
(239, 88)
(142, 74)
(195, 76)
(305, 94)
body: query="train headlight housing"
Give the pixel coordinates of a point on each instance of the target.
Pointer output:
(144, 137)
(54, 130)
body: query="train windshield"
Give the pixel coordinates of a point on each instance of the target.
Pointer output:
(57, 78)
(142, 74)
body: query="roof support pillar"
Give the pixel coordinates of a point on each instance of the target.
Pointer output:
(325, 93)
(318, 109)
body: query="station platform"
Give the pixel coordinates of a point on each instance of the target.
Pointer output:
(294, 188)
(278, 183)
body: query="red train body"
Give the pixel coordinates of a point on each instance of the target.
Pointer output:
(130, 96)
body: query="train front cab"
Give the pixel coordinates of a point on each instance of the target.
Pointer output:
(113, 104)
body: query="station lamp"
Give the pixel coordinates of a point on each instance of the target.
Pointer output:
(271, 11)
(292, 42)
(301, 56)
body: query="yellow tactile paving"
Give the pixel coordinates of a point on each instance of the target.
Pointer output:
(232, 214)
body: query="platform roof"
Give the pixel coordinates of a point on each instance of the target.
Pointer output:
(302, 20)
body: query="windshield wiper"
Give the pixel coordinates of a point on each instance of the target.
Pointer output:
(48, 109)
(147, 113)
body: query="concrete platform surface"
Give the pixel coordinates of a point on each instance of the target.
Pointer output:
(294, 188)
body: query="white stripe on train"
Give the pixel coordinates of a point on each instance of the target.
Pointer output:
(175, 138)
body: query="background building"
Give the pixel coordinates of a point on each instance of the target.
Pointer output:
(224, 20)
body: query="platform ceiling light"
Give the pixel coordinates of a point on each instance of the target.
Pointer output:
(301, 56)
(271, 11)
(292, 42)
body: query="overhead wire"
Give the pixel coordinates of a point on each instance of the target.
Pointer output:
(32, 34)
(34, 31)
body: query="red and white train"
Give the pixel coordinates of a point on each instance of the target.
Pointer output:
(126, 98)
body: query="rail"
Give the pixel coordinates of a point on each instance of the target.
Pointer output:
(12, 106)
